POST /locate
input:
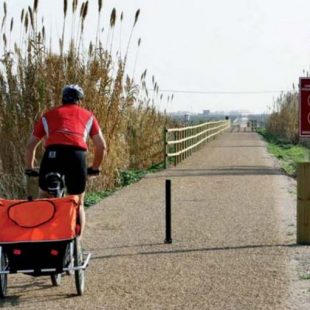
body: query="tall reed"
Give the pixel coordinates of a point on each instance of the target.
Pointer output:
(283, 121)
(32, 76)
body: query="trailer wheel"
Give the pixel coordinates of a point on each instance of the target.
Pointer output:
(3, 277)
(78, 261)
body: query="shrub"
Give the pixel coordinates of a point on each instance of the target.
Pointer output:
(283, 122)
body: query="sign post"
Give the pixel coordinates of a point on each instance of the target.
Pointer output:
(303, 169)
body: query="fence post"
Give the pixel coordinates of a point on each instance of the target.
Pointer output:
(183, 144)
(178, 146)
(186, 143)
(166, 148)
(190, 141)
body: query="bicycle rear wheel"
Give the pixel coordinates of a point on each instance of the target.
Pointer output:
(3, 277)
(78, 261)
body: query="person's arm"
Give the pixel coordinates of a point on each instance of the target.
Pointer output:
(31, 146)
(100, 149)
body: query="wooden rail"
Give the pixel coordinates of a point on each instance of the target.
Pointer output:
(181, 142)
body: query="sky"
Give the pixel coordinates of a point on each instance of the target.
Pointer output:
(218, 55)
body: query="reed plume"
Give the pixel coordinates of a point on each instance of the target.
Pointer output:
(4, 40)
(35, 5)
(85, 11)
(82, 9)
(136, 58)
(26, 23)
(74, 5)
(99, 5)
(98, 22)
(12, 24)
(136, 16)
(143, 76)
(22, 15)
(120, 33)
(4, 16)
(113, 18)
(31, 17)
(65, 8)
(129, 40)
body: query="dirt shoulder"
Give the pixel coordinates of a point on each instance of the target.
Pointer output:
(233, 247)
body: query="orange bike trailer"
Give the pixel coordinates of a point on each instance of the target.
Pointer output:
(36, 234)
(41, 238)
(52, 219)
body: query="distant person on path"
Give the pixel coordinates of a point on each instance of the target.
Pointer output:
(65, 130)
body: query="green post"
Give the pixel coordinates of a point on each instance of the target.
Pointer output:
(303, 203)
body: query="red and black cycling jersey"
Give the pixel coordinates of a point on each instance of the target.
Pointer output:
(68, 124)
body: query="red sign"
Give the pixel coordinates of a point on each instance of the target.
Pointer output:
(304, 106)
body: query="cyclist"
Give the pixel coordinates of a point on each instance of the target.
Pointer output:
(65, 130)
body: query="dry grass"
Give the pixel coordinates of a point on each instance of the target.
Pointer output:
(31, 79)
(283, 122)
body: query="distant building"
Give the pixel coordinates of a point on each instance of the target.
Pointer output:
(186, 117)
(205, 112)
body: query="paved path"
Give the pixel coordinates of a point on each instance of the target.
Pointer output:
(233, 240)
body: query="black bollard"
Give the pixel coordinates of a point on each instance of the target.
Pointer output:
(168, 212)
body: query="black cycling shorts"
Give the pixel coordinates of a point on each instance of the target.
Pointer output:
(68, 161)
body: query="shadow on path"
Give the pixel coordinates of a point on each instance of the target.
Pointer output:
(192, 250)
(242, 170)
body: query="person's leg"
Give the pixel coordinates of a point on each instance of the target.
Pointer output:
(44, 169)
(75, 178)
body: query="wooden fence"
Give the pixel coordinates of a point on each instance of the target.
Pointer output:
(181, 142)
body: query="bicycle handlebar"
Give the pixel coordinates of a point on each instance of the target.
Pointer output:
(92, 172)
